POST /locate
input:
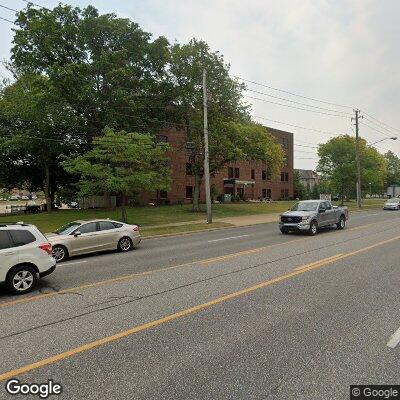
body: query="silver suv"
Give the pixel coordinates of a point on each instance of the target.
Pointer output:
(25, 256)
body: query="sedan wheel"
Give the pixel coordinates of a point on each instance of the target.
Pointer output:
(21, 280)
(125, 244)
(59, 253)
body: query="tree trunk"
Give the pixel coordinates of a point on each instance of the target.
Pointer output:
(196, 193)
(47, 188)
(124, 216)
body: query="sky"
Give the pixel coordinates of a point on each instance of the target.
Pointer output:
(342, 52)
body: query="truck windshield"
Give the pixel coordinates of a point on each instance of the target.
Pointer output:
(305, 206)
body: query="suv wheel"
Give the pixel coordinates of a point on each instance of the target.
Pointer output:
(59, 253)
(313, 228)
(125, 244)
(21, 279)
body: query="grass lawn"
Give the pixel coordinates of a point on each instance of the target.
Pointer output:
(162, 230)
(151, 216)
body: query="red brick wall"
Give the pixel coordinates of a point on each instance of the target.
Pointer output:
(178, 157)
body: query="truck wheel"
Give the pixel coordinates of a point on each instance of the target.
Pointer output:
(342, 223)
(313, 228)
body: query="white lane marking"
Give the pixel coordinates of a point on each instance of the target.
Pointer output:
(232, 237)
(394, 340)
(72, 263)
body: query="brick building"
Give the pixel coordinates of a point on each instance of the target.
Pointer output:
(249, 180)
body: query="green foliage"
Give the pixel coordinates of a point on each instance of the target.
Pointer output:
(122, 164)
(393, 168)
(106, 68)
(36, 129)
(337, 164)
(232, 136)
(300, 189)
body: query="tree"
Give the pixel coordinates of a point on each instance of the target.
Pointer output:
(107, 69)
(121, 164)
(393, 168)
(37, 128)
(232, 135)
(337, 164)
(301, 191)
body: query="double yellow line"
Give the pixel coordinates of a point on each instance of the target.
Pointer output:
(97, 343)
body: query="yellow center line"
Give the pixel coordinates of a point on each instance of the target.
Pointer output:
(183, 313)
(317, 263)
(154, 271)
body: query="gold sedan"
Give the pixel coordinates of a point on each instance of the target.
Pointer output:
(83, 237)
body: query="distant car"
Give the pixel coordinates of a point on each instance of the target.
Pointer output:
(83, 237)
(14, 197)
(73, 204)
(392, 204)
(25, 255)
(34, 197)
(310, 215)
(24, 198)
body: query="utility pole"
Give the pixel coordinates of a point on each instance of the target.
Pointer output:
(358, 161)
(206, 155)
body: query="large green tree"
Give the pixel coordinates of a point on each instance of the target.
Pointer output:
(337, 164)
(122, 164)
(107, 69)
(232, 135)
(393, 168)
(37, 128)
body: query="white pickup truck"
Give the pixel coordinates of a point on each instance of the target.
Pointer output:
(310, 215)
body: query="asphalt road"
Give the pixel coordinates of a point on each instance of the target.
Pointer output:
(216, 316)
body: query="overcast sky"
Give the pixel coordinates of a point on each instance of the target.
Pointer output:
(344, 52)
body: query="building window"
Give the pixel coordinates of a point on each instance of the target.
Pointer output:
(163, 194)
(282, 177)
(284, 194)
(269, 195)
(230, 172)
(264, 193)
(189, 192)
(264, 175)
(286, 176)
(162, 138)
(237, 173)
(189, 169)
(253, 174)
(284, 142)
(285, 160)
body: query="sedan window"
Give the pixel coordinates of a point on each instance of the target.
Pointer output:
(106, 225)
(67, 229)
(88, 228)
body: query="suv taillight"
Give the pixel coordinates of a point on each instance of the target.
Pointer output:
(135, 228)
(46, 247)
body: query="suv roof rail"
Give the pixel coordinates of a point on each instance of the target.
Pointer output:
(2, 224)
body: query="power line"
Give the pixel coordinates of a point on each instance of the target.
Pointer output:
(8, 8)
(297, 108)
(291, 93)
(36, 5)
(382, 123)
(296, 126)
(297, 102)
(392, 132)
(8, 20)
(376, 130)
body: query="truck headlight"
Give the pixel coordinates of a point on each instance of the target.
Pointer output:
(305, 219)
